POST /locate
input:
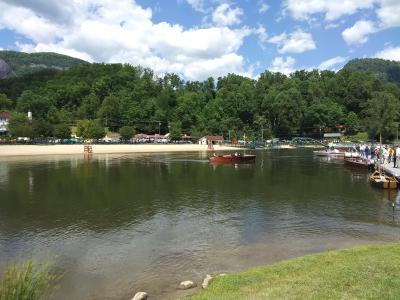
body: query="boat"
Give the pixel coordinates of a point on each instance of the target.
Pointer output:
(383, 181)
(359, 162)
(232, 158)
(351, 154)
(329, 152)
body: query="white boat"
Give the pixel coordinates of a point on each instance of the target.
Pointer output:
(329, 152)
(351, 154)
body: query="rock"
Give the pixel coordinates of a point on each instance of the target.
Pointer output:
(184, 285)
(5, 69)
(206, 281)
(140, 296)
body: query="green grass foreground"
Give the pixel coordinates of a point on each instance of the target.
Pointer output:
(27, 281)
(369, 272)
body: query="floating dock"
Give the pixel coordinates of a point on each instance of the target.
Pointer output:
(390, 170)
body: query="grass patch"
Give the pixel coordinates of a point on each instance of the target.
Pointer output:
(27, 282)
(360, 136)
(371, 272)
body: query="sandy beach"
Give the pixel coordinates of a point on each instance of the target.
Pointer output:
(27, 150)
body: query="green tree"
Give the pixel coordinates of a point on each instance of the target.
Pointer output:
(352, 123)
(42, 128)
(62, 131)
(381, 113)
(20, 126)
(127, 132)
(90, 106)
(110, 112)
(175, 131)
(5, 103)
(90, 129)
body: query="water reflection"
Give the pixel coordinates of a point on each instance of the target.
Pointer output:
(118, 222)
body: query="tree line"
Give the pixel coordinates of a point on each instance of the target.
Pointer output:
(133, 99)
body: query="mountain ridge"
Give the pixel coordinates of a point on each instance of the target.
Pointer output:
(15, 63)
(385, 70)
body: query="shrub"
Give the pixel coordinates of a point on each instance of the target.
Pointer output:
(26, 282)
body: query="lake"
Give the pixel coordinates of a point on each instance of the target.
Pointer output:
(117, 224)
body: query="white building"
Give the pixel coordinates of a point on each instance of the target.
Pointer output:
(211, 139)
(4, 117)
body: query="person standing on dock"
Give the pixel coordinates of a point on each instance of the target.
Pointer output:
(394, 154)
(367, 151)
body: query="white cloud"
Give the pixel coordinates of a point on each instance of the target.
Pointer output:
(331, 9)
(359, 32)
(282, 65)
(224, 15)
(295, 42)
(390, 53)
(262, 7)
(198, 5)
(262, 34)
(328, 64)
(123, 31)
(389, 12)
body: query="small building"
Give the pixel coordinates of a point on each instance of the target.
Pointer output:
(211, 139)
(4, 118)
(112, 137)
(334, 137)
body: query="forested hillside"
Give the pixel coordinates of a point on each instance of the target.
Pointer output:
(304, 103)
(14, 63)
(385, 70)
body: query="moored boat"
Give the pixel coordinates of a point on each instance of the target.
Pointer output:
(232, 158)
(329, 152)
(359, 162)
(383, 181)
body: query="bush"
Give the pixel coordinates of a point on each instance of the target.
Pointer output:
(62, 131)
(26, 282)
(127, 132)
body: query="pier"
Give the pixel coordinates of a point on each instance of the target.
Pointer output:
(390, 170)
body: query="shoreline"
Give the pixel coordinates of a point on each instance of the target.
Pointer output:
(36, 150)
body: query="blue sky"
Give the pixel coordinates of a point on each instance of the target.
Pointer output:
(201, 38)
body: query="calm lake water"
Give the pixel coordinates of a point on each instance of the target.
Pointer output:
(123, 223)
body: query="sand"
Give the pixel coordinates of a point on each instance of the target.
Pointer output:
(27, 150)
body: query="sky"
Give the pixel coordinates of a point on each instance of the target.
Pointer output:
(197, 39)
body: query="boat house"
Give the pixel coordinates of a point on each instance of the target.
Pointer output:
(211, 139)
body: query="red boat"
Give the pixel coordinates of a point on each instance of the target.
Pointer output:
(232, 158)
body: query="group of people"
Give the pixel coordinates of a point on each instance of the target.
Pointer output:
(385, 154)
(389, 154)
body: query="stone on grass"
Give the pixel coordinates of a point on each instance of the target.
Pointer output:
(140, 296)
(184, 285)
(206, 281)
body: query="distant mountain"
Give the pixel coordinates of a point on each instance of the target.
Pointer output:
(13, 63)
(386, 70)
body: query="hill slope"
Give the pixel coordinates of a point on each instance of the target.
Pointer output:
(386, 70)
(14, 63)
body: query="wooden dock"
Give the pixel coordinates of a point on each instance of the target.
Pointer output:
(390, 170)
